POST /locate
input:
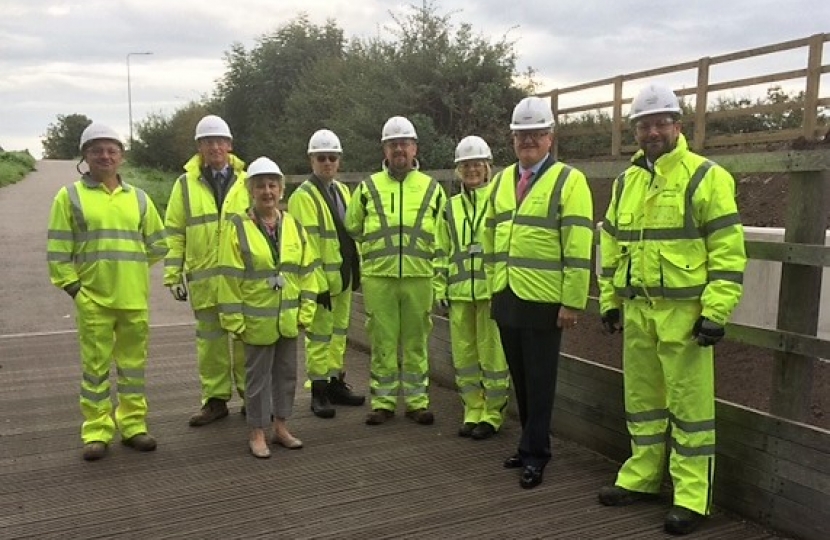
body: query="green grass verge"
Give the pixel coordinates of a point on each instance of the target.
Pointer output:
(14, 166)
(157, 183)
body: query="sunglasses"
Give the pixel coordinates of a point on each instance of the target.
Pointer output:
(330, 159)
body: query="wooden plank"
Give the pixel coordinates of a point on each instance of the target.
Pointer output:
(803, 434)
(758, 79)
(738, 139)
(756, 109)
(701, 99)
(608, 419)
(779, 340)
(590, 107)
(790, 252)
(812, 86)
(759, 51)
(617, 121)
(609, 443)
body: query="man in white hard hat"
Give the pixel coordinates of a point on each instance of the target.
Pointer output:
(103, 236)
(393, 217)
(673, 257)
(211, 189)
(538, 242)
(319, 204)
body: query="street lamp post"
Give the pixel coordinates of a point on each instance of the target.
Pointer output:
(130, 92)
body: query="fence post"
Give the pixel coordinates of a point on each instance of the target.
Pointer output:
(799, 298)
(812, 86)
(701, 98)
(616, 118)
(554, 107)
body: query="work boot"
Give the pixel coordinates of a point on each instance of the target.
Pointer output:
(214, 409)
(619, 496)
(142, 442)
(682, 521)
(340, 393)
(320, 405)
(421, 416)
(379, 416)
(466, 429)
(93, 451)
(484, 430)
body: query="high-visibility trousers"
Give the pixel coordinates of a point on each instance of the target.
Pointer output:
(669, 398)
(481, 373)
(104, 335)
(220, 356)
(398, 314)
(325, 341)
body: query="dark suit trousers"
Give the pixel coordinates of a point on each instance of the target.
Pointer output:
(533, 358)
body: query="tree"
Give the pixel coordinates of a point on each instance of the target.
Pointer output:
(167, 143)
(62, 137)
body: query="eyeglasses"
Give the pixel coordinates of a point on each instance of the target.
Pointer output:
(660, 125)
(532, 135)
(104, 151)
(330, 159)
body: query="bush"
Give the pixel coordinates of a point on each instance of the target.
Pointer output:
(14, 166)
(155, 182)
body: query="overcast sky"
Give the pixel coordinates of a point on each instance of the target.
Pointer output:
(65, 57)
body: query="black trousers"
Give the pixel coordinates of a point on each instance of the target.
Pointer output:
(533, 358)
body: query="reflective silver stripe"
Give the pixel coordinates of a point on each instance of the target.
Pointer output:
(609, 228)
(723, 222)
(413, 378)
(109, 234)
(647, 416)
(319, 229)
(500, 256)
(142, 206)
(55, 234)
(244, 246)
(393, 233)
(422, 211)
(130, 373)
(201, 220)
(677, 233)
(229, 309)
(308, 295)
(467, 371)
(469, 388)
(251, 311)
(210, 335)
(340, 331)
(417, 390)
(574, 262)
(196, 275)
(188, 212)
(95, 380)
(130, 388)
(693, 427)
(465, 275)
(666, 292)
(77, 211)
(534, 264)
(502, 217)
(293, 303)
(84, 257)
(382, 392)
(388, 379)
(240, 273)
(495, 375)
(706, 450)
(175, 231)
(331, 267)
(577, 221)
(496, 393)
(391, 251)
(58, 256)
(725, 275)
(609, 271)
(290, 267)
(155, 237)
(89, 395)
(174, 261)
(384, 222)
(648, 440)
(318, 338)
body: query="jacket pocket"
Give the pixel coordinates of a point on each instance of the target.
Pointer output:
(683, 271)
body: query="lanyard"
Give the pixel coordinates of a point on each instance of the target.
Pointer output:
(272, 240)
(475, 222)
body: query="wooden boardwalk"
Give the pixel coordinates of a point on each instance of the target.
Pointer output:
(398, 480)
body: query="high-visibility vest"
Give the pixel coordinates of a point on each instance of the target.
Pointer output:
(105, 241)
(194, 225)
(542, 249)
(394, 222)
(674, 233)
(309, 207)
(249, 305)
(461, 273)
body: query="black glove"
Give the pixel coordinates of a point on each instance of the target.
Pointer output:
(611, 321)
(324, 299)
(707, 332)
(73, 289)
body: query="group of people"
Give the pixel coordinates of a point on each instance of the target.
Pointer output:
(508, 259)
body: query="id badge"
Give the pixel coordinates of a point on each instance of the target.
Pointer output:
(276, 282)
(474, 249)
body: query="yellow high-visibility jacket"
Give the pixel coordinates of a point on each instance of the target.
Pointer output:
(194, 225)
(104, 243)
(674, 233)
(460, 268)
(542, 249)
(309, 207)
(394, 222)
(248, 305)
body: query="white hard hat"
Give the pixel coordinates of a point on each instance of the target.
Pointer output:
(654, 99)
(263, 165)
(324, 141)
(398, 127)
(212, 126)
(532, 113)
(96, 131)
(472, 147)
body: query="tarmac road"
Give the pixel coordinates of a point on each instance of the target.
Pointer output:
(28, 300)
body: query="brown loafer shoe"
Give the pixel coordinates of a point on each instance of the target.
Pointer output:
(141, 442)
(93, 451)
(421, 416)
(379, 416)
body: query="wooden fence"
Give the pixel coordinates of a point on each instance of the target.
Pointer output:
(811, 74)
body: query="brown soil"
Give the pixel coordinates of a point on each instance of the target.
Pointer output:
(743, 373)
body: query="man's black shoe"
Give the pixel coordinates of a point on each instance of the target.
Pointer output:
(682, 521)
(619, 496)
(340, 392)
(531, 476)
(513, 462)
(484, 430)
(466, 429)
(214, 409)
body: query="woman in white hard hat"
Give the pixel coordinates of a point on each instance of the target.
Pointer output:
(481, 373)
(267, 293)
